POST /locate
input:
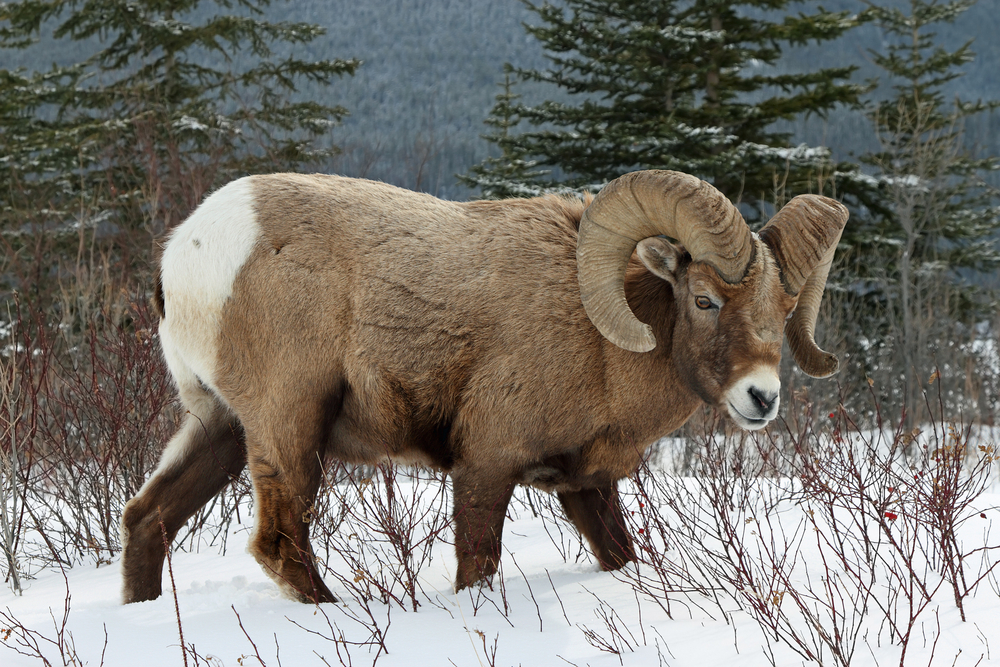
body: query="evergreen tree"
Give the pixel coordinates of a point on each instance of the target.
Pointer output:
(680, 85)
(40, 161)
(159, 114)
(510, 174)
(919, 264)
(23, 132)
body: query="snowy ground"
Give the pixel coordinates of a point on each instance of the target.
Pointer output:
(551, 606)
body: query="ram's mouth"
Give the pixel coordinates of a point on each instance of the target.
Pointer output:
(746, 422)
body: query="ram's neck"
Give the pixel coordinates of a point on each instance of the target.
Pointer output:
(645, 388)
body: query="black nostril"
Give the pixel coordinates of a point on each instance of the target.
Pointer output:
(761, 399)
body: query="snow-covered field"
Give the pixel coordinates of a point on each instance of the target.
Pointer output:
(550, 606)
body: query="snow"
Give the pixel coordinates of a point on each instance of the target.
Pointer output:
(550, 604)
(799, 154)
(189, 123)
(212, 589)
(692, 36)
(908, 182)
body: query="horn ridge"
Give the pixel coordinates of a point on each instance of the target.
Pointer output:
(800, 234)
(639, 205)
(803, 237)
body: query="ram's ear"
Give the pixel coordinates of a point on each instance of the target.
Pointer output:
(661, 257)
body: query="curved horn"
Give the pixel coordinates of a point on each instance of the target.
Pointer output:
(803, 237)
(644, 204)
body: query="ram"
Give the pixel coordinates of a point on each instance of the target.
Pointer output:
(535, 341)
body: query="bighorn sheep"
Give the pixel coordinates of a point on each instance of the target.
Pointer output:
(536, 341)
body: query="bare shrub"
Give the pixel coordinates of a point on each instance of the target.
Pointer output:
(563, 534)
(382, 522)
(362, 614)
(15, 439)
(85, 417)
(615, 637)
(828, 535)
(34, 644)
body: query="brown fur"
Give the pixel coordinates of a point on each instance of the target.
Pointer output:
(372, 322)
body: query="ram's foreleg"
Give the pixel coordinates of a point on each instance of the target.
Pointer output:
(285, 465)
(597, 514)
(482, 493)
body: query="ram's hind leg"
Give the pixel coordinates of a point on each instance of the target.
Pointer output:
(597, 514)
(205, 454)
(286, 468)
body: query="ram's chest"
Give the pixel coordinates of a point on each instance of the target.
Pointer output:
(596, 464)
(614, 453)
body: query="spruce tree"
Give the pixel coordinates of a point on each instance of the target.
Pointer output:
(509, 174)
(689, 85)
(178, 97)
(41, 169)
(30, 144)
(922, 265)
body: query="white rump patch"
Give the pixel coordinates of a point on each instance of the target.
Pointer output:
(200, 262)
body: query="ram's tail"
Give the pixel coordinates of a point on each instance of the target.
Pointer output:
(159, 306)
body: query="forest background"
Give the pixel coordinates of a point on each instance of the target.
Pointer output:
(399, 90)
(432, 68)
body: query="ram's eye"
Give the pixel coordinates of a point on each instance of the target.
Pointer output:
(703, 302)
